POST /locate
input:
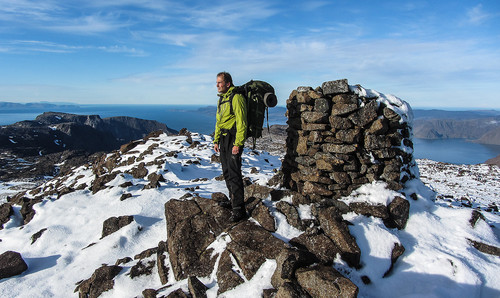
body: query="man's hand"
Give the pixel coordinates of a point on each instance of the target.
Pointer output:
(216, 148)
(236, 150)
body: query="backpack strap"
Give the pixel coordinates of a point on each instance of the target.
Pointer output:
(230, 99)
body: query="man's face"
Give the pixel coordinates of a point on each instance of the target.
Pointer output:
(222, 86)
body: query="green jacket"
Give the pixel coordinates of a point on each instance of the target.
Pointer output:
(225, 120)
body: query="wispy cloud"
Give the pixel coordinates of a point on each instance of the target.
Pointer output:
(178, 39)
(313, 5)
(17, 10)
(477, 15)
(233, 15)
(124, 50)
(20, 46)
(87, 24)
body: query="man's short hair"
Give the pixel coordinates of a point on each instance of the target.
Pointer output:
(226, 77)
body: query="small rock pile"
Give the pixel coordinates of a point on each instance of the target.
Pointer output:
(341, 137)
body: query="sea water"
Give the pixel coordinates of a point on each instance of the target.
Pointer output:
(456, 151)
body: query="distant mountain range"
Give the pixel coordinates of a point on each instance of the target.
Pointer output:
(478, 126)
(34, 106)
(33, 148)
(481, 126)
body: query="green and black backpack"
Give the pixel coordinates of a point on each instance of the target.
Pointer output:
(259, 96)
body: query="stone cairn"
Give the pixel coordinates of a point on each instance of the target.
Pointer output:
(341, 137)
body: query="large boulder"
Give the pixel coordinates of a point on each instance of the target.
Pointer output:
(190, 232)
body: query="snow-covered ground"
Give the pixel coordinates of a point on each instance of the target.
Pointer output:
(438, 260)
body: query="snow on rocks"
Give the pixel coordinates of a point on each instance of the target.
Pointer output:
(176, 236)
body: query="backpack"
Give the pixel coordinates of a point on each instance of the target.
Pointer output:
(259, 96)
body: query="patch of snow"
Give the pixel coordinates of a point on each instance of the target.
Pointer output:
(401, 107)
(375, 193)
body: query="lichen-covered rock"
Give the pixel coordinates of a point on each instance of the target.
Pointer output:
(319, 244)
(287, 262)
(11, 264)
(399, 211)
(397, 251)
(335, 87)
(6, 212)
(187, 247)
(226, 277)
(291, 214)
(339, 233)
(113, 224)
(291, 290)
(100, 282)
(251, 245)
(485, 248)
(258, 191)
(160, 262)
(264, 218)
(196, 288)
(27, 211)
(324, 281)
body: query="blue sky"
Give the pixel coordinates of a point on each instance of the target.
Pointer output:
(429, 53)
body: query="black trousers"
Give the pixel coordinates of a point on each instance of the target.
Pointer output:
(231, 169)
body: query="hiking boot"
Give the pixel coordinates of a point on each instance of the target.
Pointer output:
(238, 214)
(225, 204)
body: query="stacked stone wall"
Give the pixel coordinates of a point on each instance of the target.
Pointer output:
(341, 137)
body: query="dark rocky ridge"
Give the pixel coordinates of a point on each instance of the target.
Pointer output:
(494, 161)
(32, 148)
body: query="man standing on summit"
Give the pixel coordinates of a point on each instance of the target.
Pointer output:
(230, 136)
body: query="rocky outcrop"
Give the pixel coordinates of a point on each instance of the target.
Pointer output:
(484, 130)
(494, 161)
(193, 225)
